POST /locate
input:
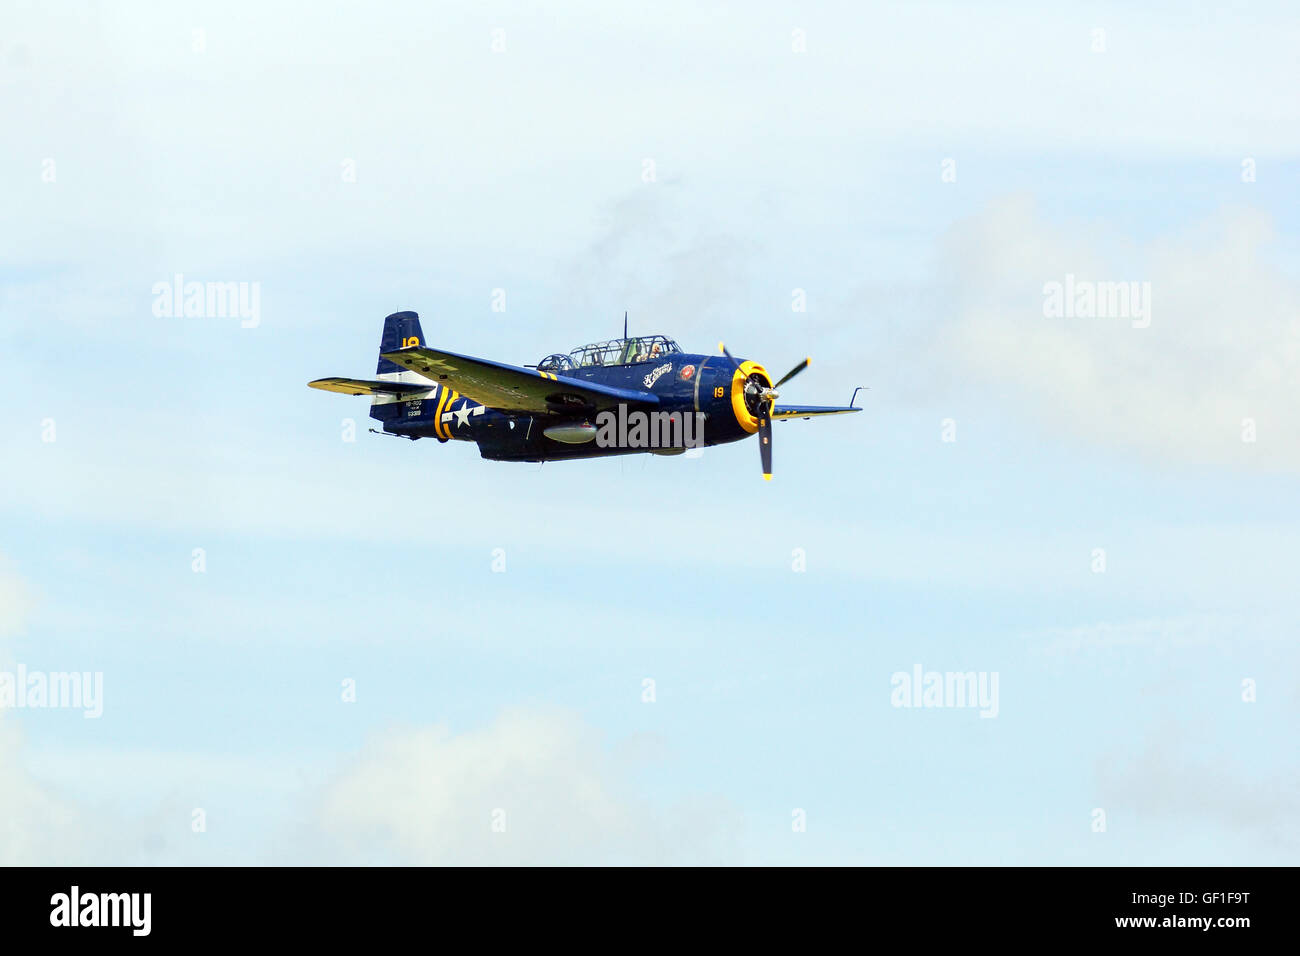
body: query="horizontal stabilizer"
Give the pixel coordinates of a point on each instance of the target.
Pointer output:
(360, 386)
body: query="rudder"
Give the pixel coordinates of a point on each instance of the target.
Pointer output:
(401, 330)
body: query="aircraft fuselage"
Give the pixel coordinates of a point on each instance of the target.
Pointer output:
(705, 393)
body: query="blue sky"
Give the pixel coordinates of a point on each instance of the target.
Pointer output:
(220, 154)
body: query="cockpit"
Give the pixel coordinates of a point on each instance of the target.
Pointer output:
(644, 348)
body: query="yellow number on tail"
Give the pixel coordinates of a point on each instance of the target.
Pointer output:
(408, 342)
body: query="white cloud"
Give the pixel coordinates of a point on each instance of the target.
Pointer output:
(428, 796)
(411, 795)
(36, 824)
(15, 601)
(694, 86)
(1223, 344)
(1178, 777)
(1158, 634)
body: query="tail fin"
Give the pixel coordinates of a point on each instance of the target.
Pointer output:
(401, 330)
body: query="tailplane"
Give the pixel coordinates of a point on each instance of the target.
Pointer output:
(395, 384)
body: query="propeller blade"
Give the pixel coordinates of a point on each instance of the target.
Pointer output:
(793, 372)
(765, 438)
(765, 404)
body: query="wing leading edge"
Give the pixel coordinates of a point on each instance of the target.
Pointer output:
(512, 388)
(361, 386)
(810, 411)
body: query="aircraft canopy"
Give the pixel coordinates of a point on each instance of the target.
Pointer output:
(643, 348)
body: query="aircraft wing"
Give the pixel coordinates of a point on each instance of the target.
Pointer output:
(510, 387)
(810, 411)
(361, 386)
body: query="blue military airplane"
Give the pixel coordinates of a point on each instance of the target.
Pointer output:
(624, 396)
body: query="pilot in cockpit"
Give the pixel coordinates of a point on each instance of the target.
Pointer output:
(641, 351)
